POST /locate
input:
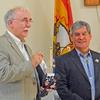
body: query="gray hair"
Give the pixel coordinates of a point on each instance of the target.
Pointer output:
(79, 24)
(11, 14)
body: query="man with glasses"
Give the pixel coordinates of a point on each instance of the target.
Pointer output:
(18, 75)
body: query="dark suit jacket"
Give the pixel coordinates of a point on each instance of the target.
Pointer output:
(72, 81)
(41, 74)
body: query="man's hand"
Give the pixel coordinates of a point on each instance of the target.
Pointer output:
(37, 59)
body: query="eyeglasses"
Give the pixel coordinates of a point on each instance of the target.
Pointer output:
(25, 20)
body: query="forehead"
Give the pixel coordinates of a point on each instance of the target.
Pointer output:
(22, 13)
(81, 29)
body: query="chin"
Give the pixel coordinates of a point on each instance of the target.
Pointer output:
(25, 34)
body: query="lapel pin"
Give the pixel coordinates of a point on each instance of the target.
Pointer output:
(97, 60)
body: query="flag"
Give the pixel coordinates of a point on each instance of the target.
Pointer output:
(62, 22)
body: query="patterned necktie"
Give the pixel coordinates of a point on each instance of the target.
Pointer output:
(90, 78)
(87, 63)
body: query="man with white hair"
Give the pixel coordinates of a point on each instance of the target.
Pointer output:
(18, 75)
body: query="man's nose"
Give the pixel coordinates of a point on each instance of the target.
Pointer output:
(28, 24)
(81, 36)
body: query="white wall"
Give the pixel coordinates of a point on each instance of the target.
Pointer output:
(89, 14)
(40, 34)
(40, 37)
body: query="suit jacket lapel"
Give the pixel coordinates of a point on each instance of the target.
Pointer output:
(96, 62)
(13, 44)
(35, 71)
(28, 51)
(78, 64)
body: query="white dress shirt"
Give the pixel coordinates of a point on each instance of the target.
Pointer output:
(20, 45)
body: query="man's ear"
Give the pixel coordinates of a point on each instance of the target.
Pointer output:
(90, 36)
(70, 36)
(9, 22)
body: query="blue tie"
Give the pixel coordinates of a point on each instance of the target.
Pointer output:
(87, 63)
(90, 77)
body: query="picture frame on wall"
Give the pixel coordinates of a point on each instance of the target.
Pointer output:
(91, 2)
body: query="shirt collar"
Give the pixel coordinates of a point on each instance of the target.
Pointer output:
(83, 55)
(16, 39)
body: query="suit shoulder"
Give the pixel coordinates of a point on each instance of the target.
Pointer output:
(3, 43)
(2, 39)
(69, 54)
(64, 56)
(95, 53)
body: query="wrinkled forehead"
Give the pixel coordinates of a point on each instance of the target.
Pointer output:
(19, 13)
